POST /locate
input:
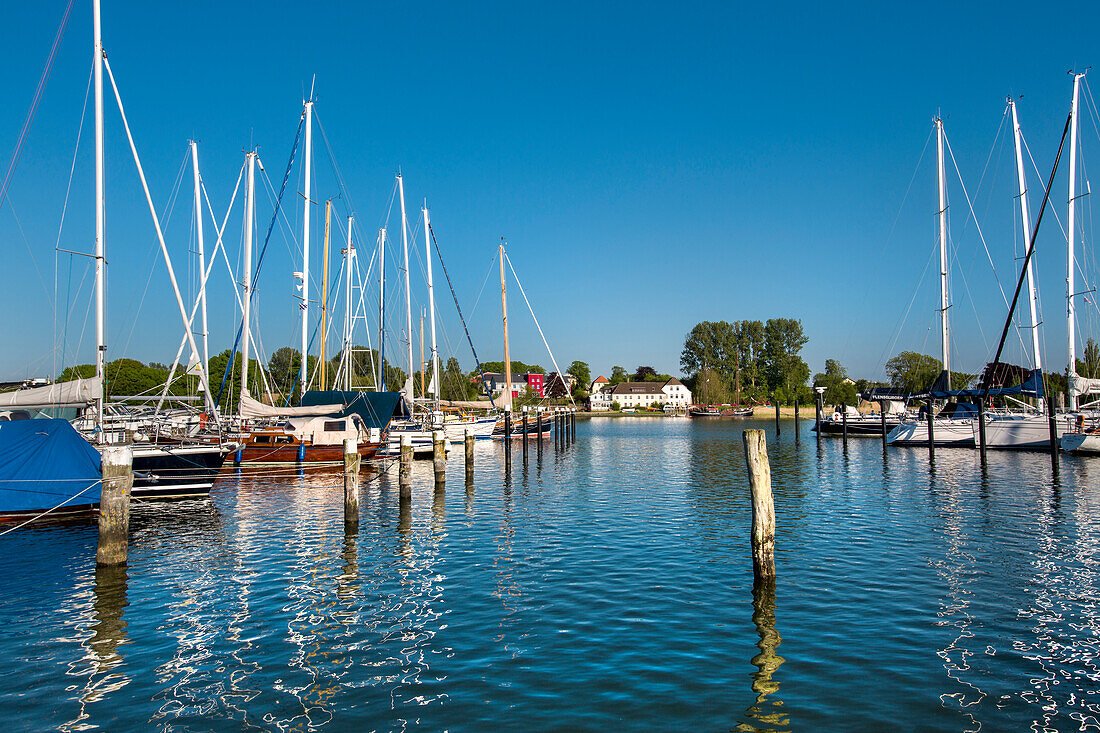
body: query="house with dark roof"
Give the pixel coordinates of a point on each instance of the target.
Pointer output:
(645, 394)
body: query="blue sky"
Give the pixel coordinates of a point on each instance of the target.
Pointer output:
(650, 166)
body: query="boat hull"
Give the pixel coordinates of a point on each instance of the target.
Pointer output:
(858, 426)
(1020, 433)
(949, 433)
(1082, 444)
(176, 471)
(300, 453)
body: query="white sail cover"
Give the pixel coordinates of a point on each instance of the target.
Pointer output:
(75, 392)
(1083, 385)
(251, 408)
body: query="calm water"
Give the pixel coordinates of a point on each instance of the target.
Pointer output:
(608, 588)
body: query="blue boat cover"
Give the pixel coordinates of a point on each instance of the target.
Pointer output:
(376, 408)
(45, 463)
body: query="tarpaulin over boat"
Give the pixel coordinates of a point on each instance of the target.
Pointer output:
(75, 392)
(251, 408)
(45, 463)
(1030, 387)
(376, 408)
(1083, 385)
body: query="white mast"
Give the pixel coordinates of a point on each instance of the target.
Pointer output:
(246, 282)
(202, 251)
(380, 383)
(944, 333)
(433, 385)
(1071, 313)
(307, 161)
(100, 262)
(349, 257)
(1026, 219)
(408, 389)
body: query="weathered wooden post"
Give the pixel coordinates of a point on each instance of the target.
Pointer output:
(931, 431)
(763, 507)
(817, 416)
(508, 434)
(882, 422)
(439, 457)
(116, 468)
(404, 475)
(468, 440)
(538, 436)
(1053, 423)
(797, 427)
(776, 416)
(844, 423)
(573, 424)
(525, 433)
(981, 430)
(351, 484)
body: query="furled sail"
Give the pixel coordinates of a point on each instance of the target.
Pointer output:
(78, 392)
(1083, 385)
(251, 408)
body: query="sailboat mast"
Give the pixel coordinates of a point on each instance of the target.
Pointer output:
(1025, 217)
(349, 256)
(324, 294)
(408, 295)
(246, 281)
(944, 332)
(307, 161)
(202, 251)
(380, 384)
(423, 393)
(100, 261)
(434, 384)
(1071, 312)
(504, 310)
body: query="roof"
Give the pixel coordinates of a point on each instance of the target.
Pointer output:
(600, 380)
(674, 380)
(639, 388)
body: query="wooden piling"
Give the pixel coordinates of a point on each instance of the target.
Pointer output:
(573, 424)
(844, 423)
(1053, 423)
(776, 416)
(525, 434)
(538, 437)
(763, 507)
(981, 431)
(351, 484)
(404, 475)
(797, 428)
(468, 441)
(508, 434)
(882, 422)
(817, 416)
(117, 469)
(439, 456)
(931, 431)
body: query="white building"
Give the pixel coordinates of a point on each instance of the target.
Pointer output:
(647, 394)
(600, 401)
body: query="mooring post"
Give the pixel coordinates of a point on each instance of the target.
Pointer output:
(931, 431)
(351, 484)
(797, 428)
(525, 433)
(439, 456)
(468, 441)
(776, 416)
(981, 430)
(117, 470)
(817, 416)
(508, 434)
(573, 424)
(882, 422)
(844, 423)
(1053, 423)
(404, 475)
(763, 507)
(538, 435)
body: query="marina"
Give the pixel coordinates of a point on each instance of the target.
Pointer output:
(608, 585)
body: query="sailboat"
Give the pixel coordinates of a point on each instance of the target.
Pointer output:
(953, 425)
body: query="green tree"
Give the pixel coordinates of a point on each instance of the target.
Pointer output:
(583, 374)
(837, 389)
(1089, 366)
(456, 385)
(913, 372)
(644, 373)
(555, 386)
(782, 364)
(618, 376)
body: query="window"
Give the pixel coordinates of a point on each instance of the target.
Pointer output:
(334, 426)
(284, 439)
(261, 438)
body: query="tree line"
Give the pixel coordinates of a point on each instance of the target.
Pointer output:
(746, 360)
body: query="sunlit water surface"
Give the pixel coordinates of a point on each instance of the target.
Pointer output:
(608, 587)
